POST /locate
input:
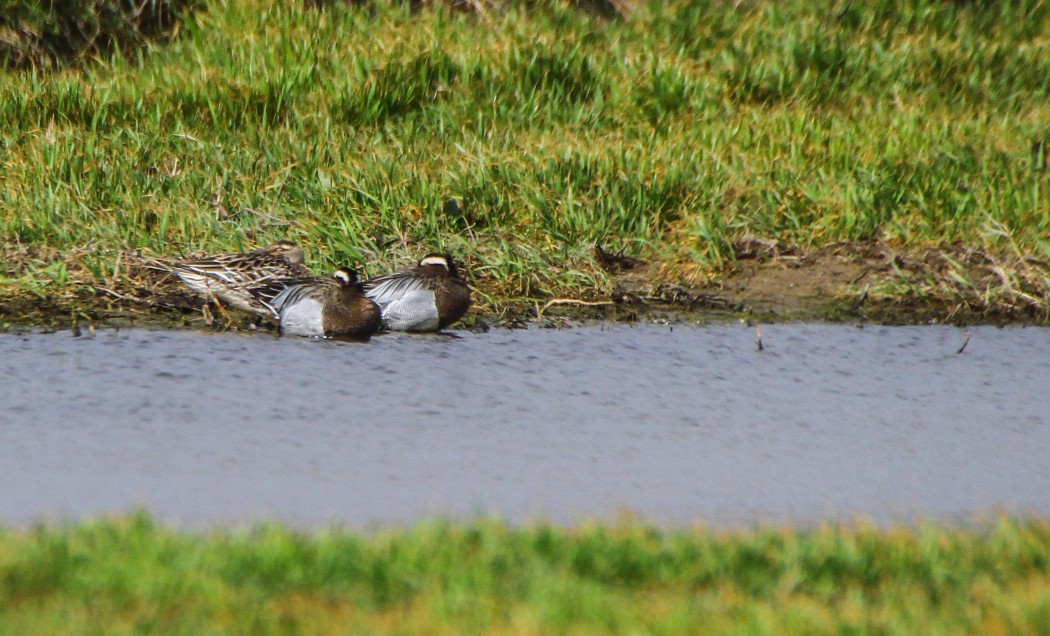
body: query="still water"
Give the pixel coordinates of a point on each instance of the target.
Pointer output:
(677, 425)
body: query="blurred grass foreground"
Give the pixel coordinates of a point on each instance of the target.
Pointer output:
(695, 138)
(130, 575)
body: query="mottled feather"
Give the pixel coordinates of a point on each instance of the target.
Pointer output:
(227, 277)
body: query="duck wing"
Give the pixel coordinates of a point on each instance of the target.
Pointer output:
(395, 287)
(277, 293)
(414, 310)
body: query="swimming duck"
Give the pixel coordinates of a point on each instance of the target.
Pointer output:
(226, 277)
(321, 306)
(428, 297)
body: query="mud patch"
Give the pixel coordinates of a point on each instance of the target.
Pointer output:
(867, 281)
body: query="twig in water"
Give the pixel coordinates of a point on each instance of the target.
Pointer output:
(758, 337)
(863, 299)
(572, 301)
(966, 341)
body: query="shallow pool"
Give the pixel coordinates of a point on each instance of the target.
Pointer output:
(677, 425)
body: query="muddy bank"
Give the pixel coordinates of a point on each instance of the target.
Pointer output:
(851, 282)
(855, 281)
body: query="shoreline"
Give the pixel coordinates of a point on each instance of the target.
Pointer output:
(844, 282)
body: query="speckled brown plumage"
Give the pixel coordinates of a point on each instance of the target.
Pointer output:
(227, 277)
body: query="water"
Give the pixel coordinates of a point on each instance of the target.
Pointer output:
(679, 426)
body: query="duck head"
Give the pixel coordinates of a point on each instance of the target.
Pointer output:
(346, 276)
(439, 265)
(287, 250)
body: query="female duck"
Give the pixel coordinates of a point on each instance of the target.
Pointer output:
(321, 307)
(428, 297)
(225, 278)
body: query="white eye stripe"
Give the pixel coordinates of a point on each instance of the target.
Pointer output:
(434, 260)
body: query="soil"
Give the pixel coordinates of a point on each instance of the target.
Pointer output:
(856, 282)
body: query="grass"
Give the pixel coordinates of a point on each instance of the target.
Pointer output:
(130, 575)
(520, 137)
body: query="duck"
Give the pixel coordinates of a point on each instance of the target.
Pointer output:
(321, 307)
(226, 278)
(428, 297)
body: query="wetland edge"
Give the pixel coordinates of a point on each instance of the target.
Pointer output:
(824, 286)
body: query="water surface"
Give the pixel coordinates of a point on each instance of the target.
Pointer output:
(678, 425)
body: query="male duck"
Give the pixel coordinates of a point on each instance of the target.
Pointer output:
(227, 277)
(428, 297)
(321, 306)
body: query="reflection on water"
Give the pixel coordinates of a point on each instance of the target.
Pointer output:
(682, 425)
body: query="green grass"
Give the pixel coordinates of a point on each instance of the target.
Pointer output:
(674, 131)
(132, 576)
